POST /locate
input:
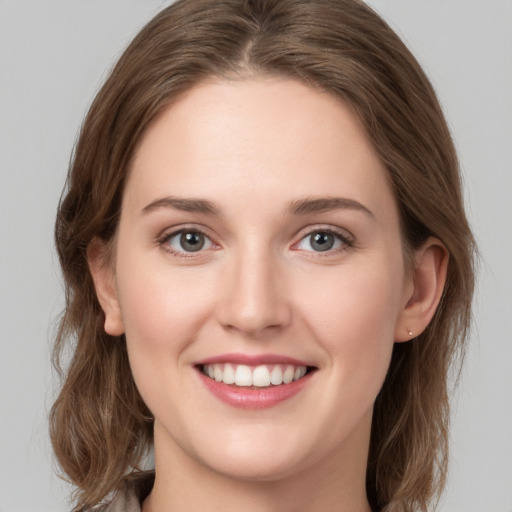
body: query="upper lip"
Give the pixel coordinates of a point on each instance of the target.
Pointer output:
(252, 360)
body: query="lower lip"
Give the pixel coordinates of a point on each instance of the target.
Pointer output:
(254, 398)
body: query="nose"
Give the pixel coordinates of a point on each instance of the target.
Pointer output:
(253, 299)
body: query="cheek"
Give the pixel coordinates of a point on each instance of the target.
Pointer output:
(353, 318)
(160, 308)
(162, 317)
(163, 310)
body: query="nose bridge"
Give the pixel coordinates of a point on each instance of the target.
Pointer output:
(253, 298)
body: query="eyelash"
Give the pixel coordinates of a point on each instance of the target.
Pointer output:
(163, 241)
(346, 241)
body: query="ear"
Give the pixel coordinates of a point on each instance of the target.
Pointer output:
(424, 293)
(103, 275)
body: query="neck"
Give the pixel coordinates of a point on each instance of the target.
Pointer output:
(334, 483)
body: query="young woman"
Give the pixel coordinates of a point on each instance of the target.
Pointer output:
(268, 265)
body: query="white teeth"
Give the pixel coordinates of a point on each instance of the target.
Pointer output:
(229, 374)
(261, 377)
(299, 373)
(217, 372)
(243, 376)
(276, 377)
(258, 376)
(288, 374)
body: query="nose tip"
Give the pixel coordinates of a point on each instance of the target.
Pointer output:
(254, 299)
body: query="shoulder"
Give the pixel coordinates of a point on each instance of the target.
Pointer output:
(130, 495)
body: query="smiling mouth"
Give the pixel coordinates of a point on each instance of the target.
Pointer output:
(260, 376)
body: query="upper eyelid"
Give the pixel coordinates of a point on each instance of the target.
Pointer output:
(325, 228)
(344, 236)
(170, 233)
(299, 235)
(175, 230)
(167, 234)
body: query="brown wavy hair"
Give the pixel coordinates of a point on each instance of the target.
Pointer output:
(100, 427)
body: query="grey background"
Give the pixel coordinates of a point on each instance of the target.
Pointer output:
(54, 55)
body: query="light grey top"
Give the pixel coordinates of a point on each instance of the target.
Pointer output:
(130, 496)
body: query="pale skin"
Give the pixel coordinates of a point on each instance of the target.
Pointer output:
(256, 167)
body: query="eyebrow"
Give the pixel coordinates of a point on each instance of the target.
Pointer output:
(297, 207)
(184, 205)
(325, 204)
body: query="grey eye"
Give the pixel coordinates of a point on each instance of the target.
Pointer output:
(189, 241)
(320, 241)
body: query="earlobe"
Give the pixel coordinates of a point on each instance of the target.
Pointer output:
(104, 283)
(428, 280)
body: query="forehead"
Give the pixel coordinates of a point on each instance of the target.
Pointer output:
(261, 139)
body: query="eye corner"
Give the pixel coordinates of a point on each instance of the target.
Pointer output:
(329, 241)
(186, 242)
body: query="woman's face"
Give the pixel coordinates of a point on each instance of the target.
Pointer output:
(259, 239)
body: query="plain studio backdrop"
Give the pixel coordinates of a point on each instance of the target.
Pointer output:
(54, 54)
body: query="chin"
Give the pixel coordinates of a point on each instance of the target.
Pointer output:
(249, 452)
(250, 467)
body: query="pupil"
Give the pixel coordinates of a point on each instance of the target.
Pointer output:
(322, 241)
(192, 242)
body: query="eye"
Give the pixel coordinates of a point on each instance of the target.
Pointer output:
(187, 241)
(322, 241)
